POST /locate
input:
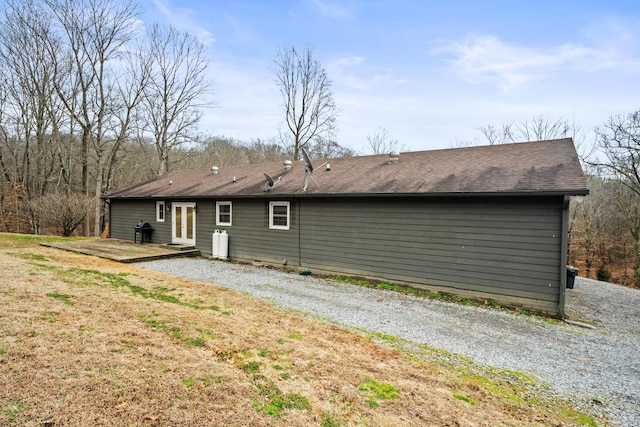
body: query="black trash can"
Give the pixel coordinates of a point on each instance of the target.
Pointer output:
(571, 276)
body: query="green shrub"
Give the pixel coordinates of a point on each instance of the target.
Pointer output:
(603, 274)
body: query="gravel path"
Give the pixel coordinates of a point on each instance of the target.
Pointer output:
(598, 370)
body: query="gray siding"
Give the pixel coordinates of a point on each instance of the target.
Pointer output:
(251, 239)
(205, 225)
(508, 248)
(125, 214)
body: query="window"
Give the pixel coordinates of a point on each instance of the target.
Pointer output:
(223, 213)
(160, 211)
(279, 215)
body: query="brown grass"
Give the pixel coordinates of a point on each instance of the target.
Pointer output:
(85, 341)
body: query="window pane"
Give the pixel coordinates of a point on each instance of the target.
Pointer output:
(280, 220)
(224, 213)
(279, 210)
(178, 211)
(279, 215)
(160, 211)
(190, 222)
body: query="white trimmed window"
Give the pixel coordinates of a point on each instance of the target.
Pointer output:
(223, 213)
(279, 215)
(160, 211)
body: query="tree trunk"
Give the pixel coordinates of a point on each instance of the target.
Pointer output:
(84, 156)
(97, 221)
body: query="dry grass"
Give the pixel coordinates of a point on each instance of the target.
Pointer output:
(85, 341)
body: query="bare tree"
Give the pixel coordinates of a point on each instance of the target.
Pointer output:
(259, 151)
(220, 151)
(176, 89)
(381, 142)
(121, 123)
(309, 107)
(627, 202)
(589, 220)
(619, 142)
(540, 128)
(72, 84)
(62, 211)
(495, 135)
(321, 148)
(95, 33)
(25, 33)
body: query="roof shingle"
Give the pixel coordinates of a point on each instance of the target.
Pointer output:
(528, 167)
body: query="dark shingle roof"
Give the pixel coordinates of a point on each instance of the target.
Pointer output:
(550, 167)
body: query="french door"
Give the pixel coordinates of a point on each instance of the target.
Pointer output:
(183, 223)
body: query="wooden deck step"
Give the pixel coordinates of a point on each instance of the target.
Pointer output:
(178, 247)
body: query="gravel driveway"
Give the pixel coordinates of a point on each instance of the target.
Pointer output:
(598, 370)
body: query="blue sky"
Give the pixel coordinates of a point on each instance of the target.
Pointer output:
(429, 72)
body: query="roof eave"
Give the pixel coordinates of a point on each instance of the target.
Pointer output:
(509, 193)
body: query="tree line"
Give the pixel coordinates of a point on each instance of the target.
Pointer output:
(80, 81)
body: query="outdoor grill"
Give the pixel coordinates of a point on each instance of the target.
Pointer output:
(145, 230)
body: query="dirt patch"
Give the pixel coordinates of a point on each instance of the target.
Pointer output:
(87, 341)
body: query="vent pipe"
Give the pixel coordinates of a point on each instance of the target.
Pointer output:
(394, 157)
(214, 170)
(287, 165)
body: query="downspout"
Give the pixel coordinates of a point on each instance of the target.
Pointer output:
(564, 239)
(299, 234)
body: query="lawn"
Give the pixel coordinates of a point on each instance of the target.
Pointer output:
(86, 341)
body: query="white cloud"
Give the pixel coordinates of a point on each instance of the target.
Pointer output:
(617, 42)
(332, 10)
(183, 20)
(485, 58)
(354, 72)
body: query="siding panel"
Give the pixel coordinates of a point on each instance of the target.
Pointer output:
(205, 225)
(507, 246)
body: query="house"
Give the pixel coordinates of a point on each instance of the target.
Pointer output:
(486, 222)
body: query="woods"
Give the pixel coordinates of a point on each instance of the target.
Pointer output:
(83, 89)
(608, 221)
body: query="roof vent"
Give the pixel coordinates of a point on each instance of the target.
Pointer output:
(287, 165)
(394, 157)
(214, 170)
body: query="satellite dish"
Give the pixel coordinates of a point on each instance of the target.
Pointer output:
(309, 166)
(308, 170)
(268, 183)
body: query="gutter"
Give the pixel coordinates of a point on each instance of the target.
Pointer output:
(271, 195)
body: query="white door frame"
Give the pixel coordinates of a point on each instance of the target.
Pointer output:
(181, 233)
